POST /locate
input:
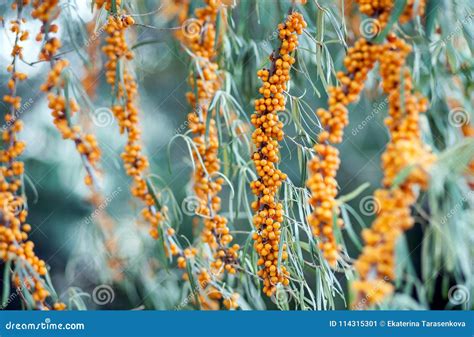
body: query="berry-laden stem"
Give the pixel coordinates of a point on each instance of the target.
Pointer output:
(323, 167)
(14, 244)
(199, 36)
(105, 223)
(56, 85)
(468, 132)
(405, 151)
(268, 132)
(380, 11)
(125, 110)
(204, 84)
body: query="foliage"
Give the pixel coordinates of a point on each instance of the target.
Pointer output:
(94, 238)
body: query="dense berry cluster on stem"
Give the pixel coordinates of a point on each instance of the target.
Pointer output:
(381, 10)
(126, 112)
(405, 154)
(206, 182)
(376, 264)
(268, 217)
(198, 34)
(90, 80)
(468, 132)
(29, 270)
(56, 85)
(323, 167)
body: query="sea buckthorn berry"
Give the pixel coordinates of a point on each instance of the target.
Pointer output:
(206, 184)
(380, 11)
(14, 244)
(86, 145)
(126, 112)
(268, 132)
(376, 264)
(323, 168)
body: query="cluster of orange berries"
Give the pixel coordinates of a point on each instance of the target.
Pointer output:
(178, 9)
(46, 12)
(90, 80)
(406, 150)
(206, 188)
(126, 112)
(199, 36)
(210, 296)
(268, 132)
(380, 10)
(468, 132)
(106, 224)
(412, 8)
(14, 243)
(323, 168)
(62, 109)
(108, 5)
